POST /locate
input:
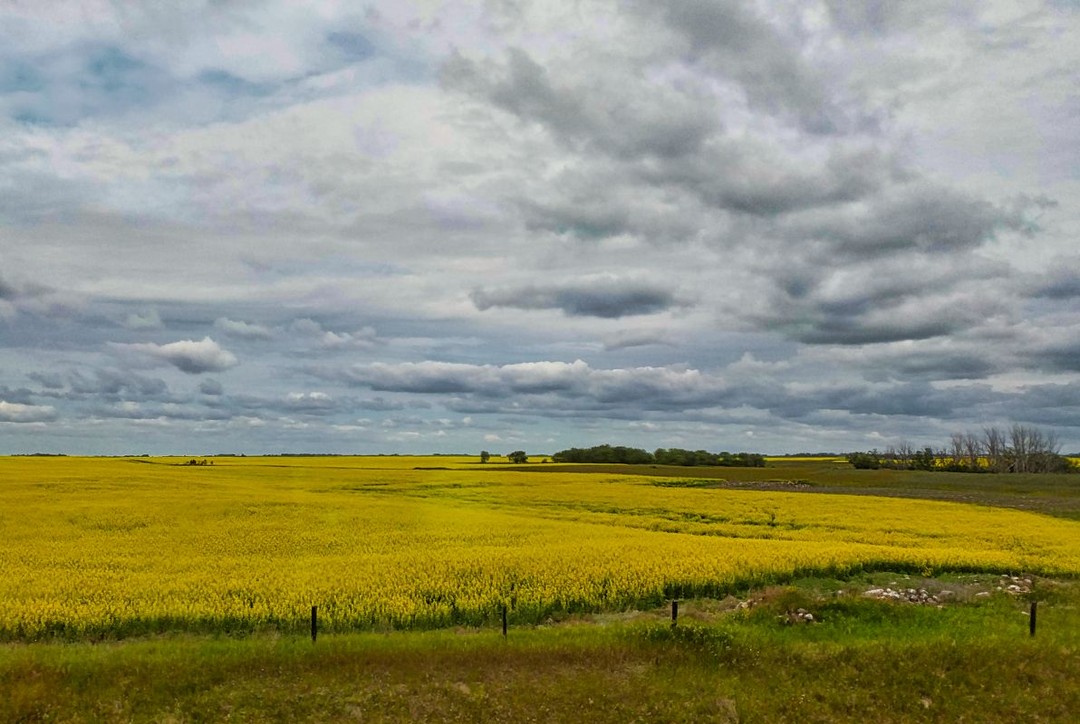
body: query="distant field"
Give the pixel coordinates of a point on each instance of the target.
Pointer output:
(120, 547)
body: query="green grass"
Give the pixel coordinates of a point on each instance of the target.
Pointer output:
(864, 660)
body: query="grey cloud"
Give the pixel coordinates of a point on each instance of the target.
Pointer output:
(147, 320)
(50, 381)
(1053, 349)
(732, 40)
(627, 338)
(211, 387)
(763, 179)
(21, 413)
(914, 298)
(661, 386)
(131, 410)
(363, 338)
(186, 355)
(379, 404)
(914, 216)
(243, 330)
(22, 395)
(1061, 283)
(114, 383)
(310, 402)
(605, 297)
(927, 360)
(593, 111)
(853, 331)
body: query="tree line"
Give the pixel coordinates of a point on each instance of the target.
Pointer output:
(662, 456)
(1018, 449)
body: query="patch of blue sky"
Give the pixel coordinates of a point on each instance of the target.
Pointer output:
(114, 71)
(388, 63)
(20, 77)
(105, 81)
(29, 117)
(232, 85)
(353, 46)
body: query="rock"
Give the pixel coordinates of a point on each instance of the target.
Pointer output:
(982, 594)
(874, 592)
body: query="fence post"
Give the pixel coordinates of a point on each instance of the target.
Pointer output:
(1031, 622)
(314, 623)
(504, 620)
(674, 612)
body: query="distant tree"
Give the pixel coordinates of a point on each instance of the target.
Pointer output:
(865, 460)
(484, 456)
(518, 457)
(1018, 449)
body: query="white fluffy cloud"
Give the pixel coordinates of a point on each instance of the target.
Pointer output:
(16, 412)
(186, 355)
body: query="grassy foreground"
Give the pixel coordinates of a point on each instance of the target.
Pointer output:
(863, 660)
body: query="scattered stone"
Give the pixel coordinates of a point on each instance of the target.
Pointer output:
(797, 617)
(909, 595)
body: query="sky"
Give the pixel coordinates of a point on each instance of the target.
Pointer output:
(412, 227)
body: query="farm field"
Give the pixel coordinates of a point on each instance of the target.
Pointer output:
(119, 569)
(118, 547)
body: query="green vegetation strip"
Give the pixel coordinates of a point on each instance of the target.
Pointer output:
(861, 660)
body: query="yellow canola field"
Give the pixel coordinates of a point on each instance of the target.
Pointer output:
(92, 547)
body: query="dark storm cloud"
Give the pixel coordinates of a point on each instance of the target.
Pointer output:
(1062, 283)
(849, 331)
(211, 387)
(50, 381)
(912, 297)
(20, 395)
(731, 39)
(609, 298)
(591, 111)
(914, 216)
(761, 178)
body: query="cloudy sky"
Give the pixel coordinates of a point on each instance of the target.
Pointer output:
(777, 226)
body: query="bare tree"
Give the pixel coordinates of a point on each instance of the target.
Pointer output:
(956, 450)
(972, 450)
(995, 445)
(905, 452)
(1020, 446)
